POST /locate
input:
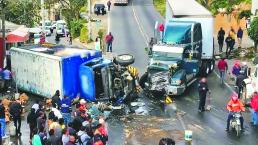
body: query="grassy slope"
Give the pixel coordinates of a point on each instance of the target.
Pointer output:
(160, 5)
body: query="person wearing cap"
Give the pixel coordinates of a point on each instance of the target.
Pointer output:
(254, 108)
(233, 106)
(236, 70)
(202, 89)
(240, 82)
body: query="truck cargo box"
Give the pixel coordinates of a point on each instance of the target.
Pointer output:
(190, 10)
(43, 70)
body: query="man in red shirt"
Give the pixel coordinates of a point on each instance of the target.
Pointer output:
(223, 67)
(109, 39)
(161, 31)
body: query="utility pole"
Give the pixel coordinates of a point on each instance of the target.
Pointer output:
(3, 3)
(89, 18)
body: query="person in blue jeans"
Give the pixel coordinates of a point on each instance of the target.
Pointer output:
(66, 109)
(2, 119)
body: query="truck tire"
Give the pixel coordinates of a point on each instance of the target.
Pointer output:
(143, 80)
(124, 59)
(207, 68)
(212, 64)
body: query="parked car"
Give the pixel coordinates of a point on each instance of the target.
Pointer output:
(100, 9)
(47, 31)
(61, 28)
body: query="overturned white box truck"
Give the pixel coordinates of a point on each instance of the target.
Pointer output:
(42, 70)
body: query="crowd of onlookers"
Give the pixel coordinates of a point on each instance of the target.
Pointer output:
(230, 39)
(62, 124)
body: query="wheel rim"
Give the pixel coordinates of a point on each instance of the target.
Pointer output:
(207, 70)
(212, 66)
(125, 57)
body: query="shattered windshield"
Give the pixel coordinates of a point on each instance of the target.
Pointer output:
(165, 56)
(177, 34)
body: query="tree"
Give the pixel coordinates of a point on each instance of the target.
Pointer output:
(215, 5)
(71, 9)
(76, 26)
(23, 12)
(205, 3)
(253, 32)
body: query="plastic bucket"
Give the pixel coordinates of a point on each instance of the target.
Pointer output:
(12, 130)
(188, 135)
(16, 96)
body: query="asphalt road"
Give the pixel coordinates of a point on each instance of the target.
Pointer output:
(132, 26)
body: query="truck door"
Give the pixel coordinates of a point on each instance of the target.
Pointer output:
(197, 41)
(86, 76)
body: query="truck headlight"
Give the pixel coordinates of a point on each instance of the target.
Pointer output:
(176, 82)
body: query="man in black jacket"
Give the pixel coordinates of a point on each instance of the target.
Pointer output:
(16, 111)
(2, 118)
(229, 42)
(240, 82)
(202, 89)
(221, 35)
(56, 99)
(32, 121)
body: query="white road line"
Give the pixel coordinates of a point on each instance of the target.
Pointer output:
(108, 21)
(144, 35)
(230, 88)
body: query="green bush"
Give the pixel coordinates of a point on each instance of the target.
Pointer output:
(84, 21)
(101, 33)
(253, 32)
(76, 26)
(84, 35)
(83, 9)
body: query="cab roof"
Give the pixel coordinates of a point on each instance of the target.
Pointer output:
(188, 8)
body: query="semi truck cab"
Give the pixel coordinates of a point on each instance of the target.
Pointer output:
(186, 51)
(175, 63)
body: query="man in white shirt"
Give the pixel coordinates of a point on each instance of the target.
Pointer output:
(57, 113)
(36, 106)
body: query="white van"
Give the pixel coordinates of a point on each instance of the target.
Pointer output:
(61, 28)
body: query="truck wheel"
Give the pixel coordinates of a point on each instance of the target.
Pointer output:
(143, 80)
(212, 64)
(207, 68)
(125, 59)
